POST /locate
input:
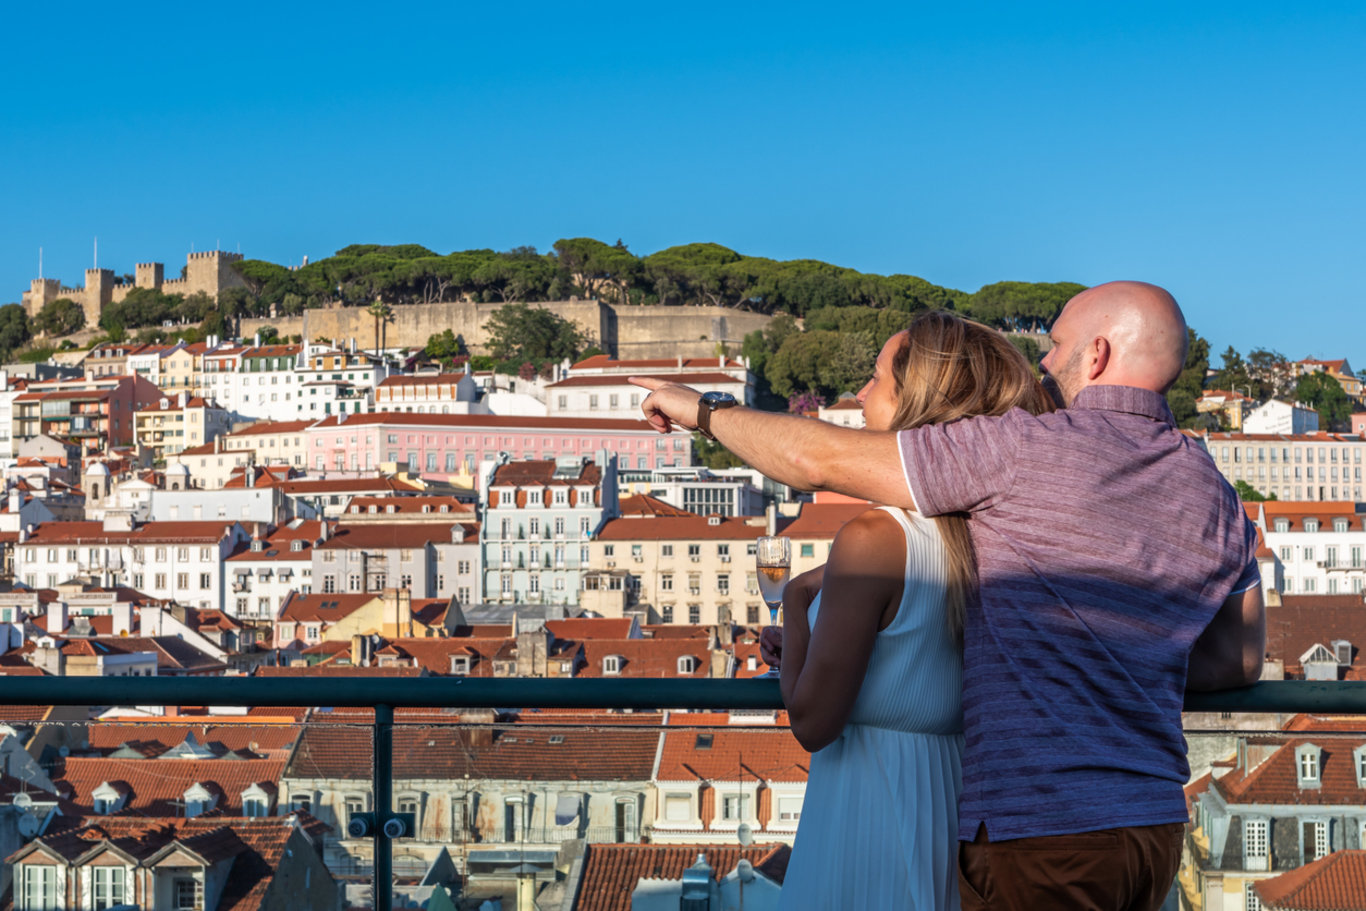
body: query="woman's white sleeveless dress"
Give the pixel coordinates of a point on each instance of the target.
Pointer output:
(879, 824)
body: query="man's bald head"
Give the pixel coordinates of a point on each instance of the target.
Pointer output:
(1119, 333)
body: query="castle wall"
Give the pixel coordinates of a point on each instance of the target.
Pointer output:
(627, 332)
(209, 272)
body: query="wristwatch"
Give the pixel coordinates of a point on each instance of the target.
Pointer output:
(709, 402)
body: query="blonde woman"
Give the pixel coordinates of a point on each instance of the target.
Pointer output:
(870, 649)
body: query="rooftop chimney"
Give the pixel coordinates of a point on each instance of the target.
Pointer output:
(56, 618)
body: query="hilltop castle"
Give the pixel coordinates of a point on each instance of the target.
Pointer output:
(209, 272)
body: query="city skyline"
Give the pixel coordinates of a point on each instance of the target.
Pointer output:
(1208, 150)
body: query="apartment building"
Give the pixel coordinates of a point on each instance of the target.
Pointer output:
(170, 425)
(442, 446)
(264, 569)
(97, 412)
(539, 517)
(609, 395)
(332, 381)
(172, 561)
(1319, 548)
(1308, 466)
(445, 393)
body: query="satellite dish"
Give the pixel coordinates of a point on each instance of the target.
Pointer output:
(745, 871)
(64, 751)
(745, 834)
(28, 826)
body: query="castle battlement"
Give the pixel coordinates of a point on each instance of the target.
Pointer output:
(206, 272)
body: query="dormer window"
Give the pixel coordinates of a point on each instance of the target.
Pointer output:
(445, 507)
(1307, 758)
(107, 799)
(1311, 524)
(1281, 525)
(687, 664)
(1340, 524)
(1359, 764)
(255, 802)
(296, 546)
(198, 800)
(460, 664)
(611, 664)
(374, 509)
(258, 546)
(391, 508)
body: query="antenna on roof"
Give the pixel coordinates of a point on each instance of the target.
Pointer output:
(97, 252)
(40, 262)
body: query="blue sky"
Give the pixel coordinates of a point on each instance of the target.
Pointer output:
(1217, 150)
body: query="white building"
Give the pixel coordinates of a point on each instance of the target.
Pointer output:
(174, 561)
(443, 393)
(266, 567)
(1319, 548)
(1276, 416)
(1309, 466)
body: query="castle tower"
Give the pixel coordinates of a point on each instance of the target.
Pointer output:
(149, 275)
(211, 272)
(99, 291)
(40, 292)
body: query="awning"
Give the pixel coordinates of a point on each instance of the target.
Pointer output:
(567, 809)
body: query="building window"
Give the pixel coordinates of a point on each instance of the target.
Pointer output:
(694, 614)
(666, 582)
(1254, 845)
(677, 807)
(1316, 841)
(666, 613)
(1250, 900)
(735, 807)
(187, 894)
(1308, 764)
(611, 664)
(789, 809)
(39, 887)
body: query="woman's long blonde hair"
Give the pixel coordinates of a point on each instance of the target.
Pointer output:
(948, 369)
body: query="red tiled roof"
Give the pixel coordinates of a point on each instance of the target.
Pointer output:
(1275, 780)
(445, 750)
(612, 872)
(591, 627)
(749, 755)
(404, 506)
(439, 379)
(379, 535)
(823, 520)
(337, 670)
(434, 654)
(149, 533)
(23, 714)
(645, 657)
(454, 421)
(619, 379)
(173, 404)
(265, 427)
(273, 351)
(269, 740)
(607, 362)
(324, 608)
(278, 545)
(541, 473)
(303, 487)
(156, 783)
(1335, 882)
(679, 528)
(1300, 622)
(1320, 436)
(640, 505)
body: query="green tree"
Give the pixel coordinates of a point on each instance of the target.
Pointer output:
(1190, 384)
(712, 454)
(1323, 393)
(382, 314)
(445, 346)
(1248, 494)
(1233, 374)
(14, 329)
(520, 333)
(1021, 306)
(1029, 348)
(62, 316)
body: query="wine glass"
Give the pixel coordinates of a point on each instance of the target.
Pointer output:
(773, 556)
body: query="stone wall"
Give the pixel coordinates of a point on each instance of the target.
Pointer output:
(627, 332)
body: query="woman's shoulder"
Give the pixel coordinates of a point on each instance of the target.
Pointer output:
(874, 538)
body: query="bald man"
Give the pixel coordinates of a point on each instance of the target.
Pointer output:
(1116, 568)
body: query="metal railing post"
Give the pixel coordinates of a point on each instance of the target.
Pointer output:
(383, 788)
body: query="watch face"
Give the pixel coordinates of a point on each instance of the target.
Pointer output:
(715, 399)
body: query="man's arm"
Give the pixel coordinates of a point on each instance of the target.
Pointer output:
(1229, 652)
(797, 451)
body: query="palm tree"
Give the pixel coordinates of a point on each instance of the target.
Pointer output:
(382, 313)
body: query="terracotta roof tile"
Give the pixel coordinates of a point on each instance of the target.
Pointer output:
(612, 872)
(1332, 883)
(681, 528)
(380, 535)
(458, 421)
(1275, 780)
(823, 520)
(619, 379)
(266, 740)
(1300, 622)
(607, 362)
(261, 428)
(155, 784)
(731, 755)
(444, 750)
(324, 608)
(591, 627)
(645, 657)
(640, 505)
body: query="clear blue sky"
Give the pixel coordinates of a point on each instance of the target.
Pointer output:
(1215, 148)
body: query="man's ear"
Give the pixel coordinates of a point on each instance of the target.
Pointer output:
(1100, 357)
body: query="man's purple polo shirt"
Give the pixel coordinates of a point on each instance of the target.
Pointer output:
(1106, 541)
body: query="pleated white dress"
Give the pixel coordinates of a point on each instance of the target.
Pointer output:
(879, 824)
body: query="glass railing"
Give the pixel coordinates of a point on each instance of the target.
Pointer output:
(487, 799)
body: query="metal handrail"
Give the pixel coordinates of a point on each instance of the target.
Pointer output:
(386, 693)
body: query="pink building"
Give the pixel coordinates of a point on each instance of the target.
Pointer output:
(439, 445)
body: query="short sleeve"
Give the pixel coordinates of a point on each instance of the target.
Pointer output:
(1252, 573)
(963, 466)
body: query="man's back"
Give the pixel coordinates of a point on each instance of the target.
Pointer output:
(1105, 543)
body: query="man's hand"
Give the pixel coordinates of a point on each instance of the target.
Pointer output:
(771, 645)
(668, 404)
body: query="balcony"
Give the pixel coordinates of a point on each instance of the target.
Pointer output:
(529, 833)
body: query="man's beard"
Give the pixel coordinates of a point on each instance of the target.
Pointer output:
(1050, 385)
